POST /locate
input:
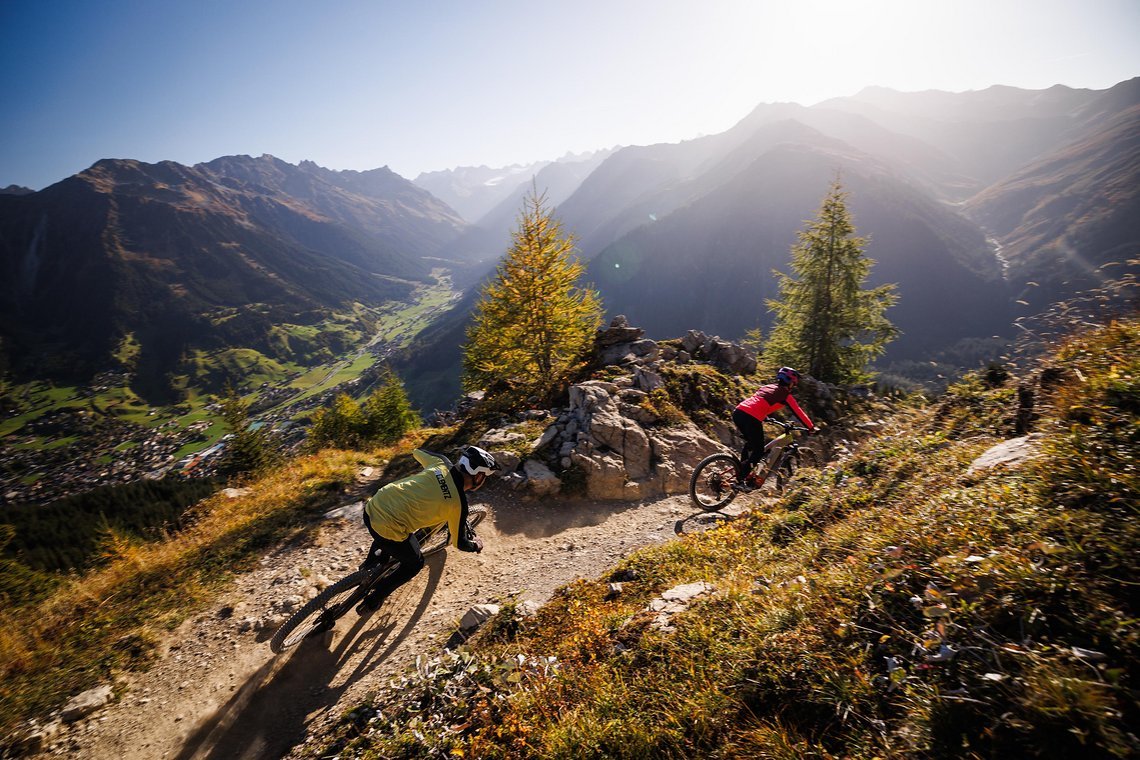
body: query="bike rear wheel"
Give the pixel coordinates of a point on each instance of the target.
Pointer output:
(435, 539)
(713, 482)
(320, 613)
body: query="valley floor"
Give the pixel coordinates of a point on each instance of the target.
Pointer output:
(218, 691)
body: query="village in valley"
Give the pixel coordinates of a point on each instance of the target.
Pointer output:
(58, 442)
(72, 449)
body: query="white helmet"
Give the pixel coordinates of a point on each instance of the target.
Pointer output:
(477, 461)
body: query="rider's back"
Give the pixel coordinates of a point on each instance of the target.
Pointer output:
(421, 500)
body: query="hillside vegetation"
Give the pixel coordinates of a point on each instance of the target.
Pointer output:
(892, 604)
(63, 633)
(897, 603)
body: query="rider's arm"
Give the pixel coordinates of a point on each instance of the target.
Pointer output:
(795, 407)
(465, 538)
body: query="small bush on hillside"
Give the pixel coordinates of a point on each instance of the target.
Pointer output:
(250, 449)
(384, 417)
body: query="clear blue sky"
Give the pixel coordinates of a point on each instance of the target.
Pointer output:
(419, 85)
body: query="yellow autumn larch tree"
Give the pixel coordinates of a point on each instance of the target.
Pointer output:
(533, 321)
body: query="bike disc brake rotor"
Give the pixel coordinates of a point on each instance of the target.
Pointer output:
(720, 481)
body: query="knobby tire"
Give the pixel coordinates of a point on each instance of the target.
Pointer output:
(712, 481)
(304, 620)
(308, 619)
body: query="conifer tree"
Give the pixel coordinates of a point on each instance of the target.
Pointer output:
(753, 340)
(249, 450)
(827, 324)
(533, 321)
(383, 417)
(387, 413)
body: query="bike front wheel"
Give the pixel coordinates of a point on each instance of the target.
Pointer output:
(791, 466)
(436, 539)
(713, 483)
(319, 614)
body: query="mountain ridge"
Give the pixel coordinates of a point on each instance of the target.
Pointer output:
(162, 251)
(968, 159)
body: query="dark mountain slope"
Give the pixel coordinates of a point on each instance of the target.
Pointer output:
(431, 367)
(1067, 214)
(210, 256)
(404, 222)
(710, 263)
(632, 184)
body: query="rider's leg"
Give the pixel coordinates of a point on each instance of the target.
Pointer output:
(753, 432)
(375, 552)
(411, 559)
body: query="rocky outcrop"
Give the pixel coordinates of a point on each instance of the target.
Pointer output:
(676, 600)
(86, 703)
(610, 438)
(478, 615)
(1009, 453)
(540, 479)
(730, 357)
(620, 457)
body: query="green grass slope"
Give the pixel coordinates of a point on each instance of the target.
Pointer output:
(895, 604)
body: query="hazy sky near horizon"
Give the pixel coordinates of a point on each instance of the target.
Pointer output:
(421, 86)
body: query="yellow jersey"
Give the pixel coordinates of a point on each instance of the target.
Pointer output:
(421, 500)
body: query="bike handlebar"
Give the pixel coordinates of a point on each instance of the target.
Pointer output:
(788, 425)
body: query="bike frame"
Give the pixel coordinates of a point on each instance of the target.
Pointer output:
(375, 574)
(787, 444)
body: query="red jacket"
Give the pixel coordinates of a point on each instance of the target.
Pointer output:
(770, 398)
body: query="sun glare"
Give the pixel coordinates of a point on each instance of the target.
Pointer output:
(810, 51)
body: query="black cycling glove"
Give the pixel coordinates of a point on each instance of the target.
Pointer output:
(469, 542)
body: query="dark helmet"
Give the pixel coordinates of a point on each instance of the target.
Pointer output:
(788, 376)
(477, 461)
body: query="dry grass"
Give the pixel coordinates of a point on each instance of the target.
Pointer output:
(892, 606)
(112, 618)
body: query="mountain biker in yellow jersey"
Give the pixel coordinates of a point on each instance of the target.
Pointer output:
(436, 494)
(750, 414)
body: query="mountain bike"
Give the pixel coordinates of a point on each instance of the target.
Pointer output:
(720, 477)
(322, 611)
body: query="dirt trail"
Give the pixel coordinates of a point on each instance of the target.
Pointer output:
(219, 692)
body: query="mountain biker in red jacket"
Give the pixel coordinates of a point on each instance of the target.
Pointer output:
(750, 414)
(436, 494)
